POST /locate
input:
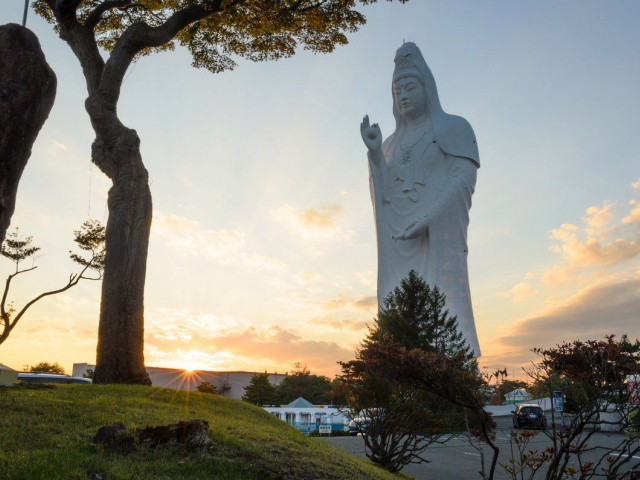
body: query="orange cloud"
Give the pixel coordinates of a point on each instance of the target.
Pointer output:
(307, 278)
(520, 292)
(595, 311)
(597, 243)
(225, 343)
(634, 215)
(316, 223)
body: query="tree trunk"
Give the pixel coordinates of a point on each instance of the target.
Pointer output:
(27, 92)
(120, 355)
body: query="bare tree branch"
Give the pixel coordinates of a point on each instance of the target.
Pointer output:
(96, 15)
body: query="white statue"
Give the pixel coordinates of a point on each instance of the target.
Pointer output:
(422, 178)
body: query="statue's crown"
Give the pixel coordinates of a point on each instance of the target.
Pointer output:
(405, 66)
(403, 61)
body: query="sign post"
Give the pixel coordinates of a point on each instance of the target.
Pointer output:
(558, 405)
(325, 429)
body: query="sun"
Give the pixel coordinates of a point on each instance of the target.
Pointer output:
(190, 367)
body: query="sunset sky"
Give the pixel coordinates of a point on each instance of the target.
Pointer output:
(263, 248)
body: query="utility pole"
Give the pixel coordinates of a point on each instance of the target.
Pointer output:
(26, 9)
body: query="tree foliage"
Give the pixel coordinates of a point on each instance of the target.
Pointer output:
(89, 238)
(48, 368)
(403, 421)
(17, 248)
(415, 315)
(443, 376)
(302, 383)
(206, 387)
(260, 390)
(214, 31)
(594, 375)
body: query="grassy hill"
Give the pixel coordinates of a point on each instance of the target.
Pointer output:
(46, 434)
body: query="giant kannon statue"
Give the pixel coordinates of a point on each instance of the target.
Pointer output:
(422, 178)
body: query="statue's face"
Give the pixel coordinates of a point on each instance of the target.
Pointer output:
(410, 97)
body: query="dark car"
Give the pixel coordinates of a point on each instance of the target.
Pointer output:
(529, 416)
(35, 377)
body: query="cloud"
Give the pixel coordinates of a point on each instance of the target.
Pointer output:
(351, 325)
(307, 278)
(211, 342)
(260, 262)
(316, 223)
(634, 215)
(368, 280)
(636, 184)
(54, 148)
(344, 300)
(557, 275)
(191, 239)
(595, 311)
(366, 302)
(599, 217)
(594, 245)
(520, 292)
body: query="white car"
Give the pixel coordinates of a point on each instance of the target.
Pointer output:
(38, 377)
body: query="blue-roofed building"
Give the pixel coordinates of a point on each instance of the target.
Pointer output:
(307, 417)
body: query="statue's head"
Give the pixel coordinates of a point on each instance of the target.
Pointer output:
(410, 96)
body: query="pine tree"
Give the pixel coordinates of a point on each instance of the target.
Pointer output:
(415, 315)
(260, 390)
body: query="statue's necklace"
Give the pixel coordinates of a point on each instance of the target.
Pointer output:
(406, 152)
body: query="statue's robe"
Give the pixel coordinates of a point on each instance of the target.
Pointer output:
(440, 186)
(438, 182)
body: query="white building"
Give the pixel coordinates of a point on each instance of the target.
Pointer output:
(8, 376)
(229, 384)
(305, 416)
(519, 395)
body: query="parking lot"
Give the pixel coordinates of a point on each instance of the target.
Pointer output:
(458, 460)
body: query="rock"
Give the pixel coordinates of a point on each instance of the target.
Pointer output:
(194, 434)
(114, 438)
(107, 434)
(27, 92)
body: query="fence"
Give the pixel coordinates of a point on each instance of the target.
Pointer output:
(307, 428)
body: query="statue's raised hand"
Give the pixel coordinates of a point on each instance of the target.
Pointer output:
(371, 135)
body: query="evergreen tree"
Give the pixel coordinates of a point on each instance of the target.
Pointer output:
(415, 315)
(206, 387)
(260, 390)
(46, 367)
(302, 383)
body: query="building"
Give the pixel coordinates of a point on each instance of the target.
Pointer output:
(229, 384)
(8, 376)
(306, 417)
(519, 395)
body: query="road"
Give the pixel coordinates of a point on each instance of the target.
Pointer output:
(457, 460)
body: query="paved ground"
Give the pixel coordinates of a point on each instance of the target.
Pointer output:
(457, 460)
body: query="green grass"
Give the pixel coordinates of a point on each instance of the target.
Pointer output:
(47, 434)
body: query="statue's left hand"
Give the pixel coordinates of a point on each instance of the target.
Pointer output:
(413, 230)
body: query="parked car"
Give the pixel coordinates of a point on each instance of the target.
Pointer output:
(36, 377)
(529, 416)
